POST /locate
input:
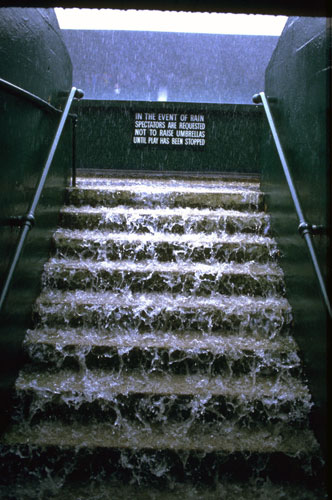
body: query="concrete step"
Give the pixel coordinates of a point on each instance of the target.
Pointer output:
(209, 248)
(153, 184)
(95, 452)
(160, 399)
(228, 489)
(151, 276)
(160, 352)
(141, 455)
(134, 312)
(168, 220)
(170, 195)
(225, 438)
(162, 179)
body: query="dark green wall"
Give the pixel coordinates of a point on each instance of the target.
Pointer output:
(298, 79)
(105, 130)
(33, 56)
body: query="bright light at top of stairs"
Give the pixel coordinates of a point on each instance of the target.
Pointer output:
(170, 21)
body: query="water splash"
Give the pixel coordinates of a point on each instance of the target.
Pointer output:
(162, 351)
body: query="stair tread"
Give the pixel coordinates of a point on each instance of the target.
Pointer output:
(164, 247)
(171, 182)
(174, 340)
(193, 239)
(102, 384)
(149, 266)
(227, 490)
(163, 211)
(166, 187)
(139, 300)
(226, 438)
(161, 195)
(167, 219)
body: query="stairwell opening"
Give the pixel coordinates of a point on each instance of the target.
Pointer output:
(162, 361)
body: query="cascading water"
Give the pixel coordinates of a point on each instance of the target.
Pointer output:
(162, 362)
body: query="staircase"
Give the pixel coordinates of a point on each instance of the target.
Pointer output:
(161, 362)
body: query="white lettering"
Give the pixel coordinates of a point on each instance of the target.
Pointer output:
(140, 131)
(192, 126)
(197, 118)
(169, 129)
(194, 142)
(146, 124)
(139, 140)
(168, 117)
(177, 140)
(189, 133)
(166, 133)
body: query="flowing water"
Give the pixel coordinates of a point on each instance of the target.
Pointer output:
(162, 363)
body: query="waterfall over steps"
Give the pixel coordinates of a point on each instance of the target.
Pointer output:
(162, 362)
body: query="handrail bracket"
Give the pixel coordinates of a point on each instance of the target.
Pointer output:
(19, 221)
(312, 229)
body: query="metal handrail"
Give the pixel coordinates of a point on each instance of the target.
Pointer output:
(305, 229)
(29, 96)
(26, 222)
(11, 88)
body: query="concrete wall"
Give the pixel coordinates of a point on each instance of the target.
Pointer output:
(181, 67)
(33, 56)
(298, 78)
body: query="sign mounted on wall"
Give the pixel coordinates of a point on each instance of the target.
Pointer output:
(174, 130)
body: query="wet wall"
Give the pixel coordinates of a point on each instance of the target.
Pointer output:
(175, 67)
(34, 57)
(298, 79)
(106, 136)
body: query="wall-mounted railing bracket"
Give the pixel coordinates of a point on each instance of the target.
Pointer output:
(320, 230)
(312, 229)
(19, 221)
(304, 228)
(29, 220)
